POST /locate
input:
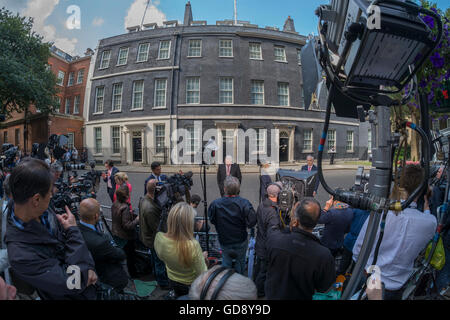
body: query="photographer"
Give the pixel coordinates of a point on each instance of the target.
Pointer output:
(298, 265)
(42, 245)
(149, 217)
(267, 217)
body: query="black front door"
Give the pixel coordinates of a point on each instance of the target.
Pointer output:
(137, 149)
(284, 149)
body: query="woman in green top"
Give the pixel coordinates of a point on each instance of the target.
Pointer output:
(179, 250)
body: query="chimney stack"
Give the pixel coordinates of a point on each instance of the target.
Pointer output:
(289, 25)
(188, 14)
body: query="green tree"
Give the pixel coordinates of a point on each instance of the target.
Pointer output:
(25, 78)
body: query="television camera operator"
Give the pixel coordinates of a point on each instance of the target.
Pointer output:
(41, 244)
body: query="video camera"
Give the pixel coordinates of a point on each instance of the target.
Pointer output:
(56, 145)
(9, 153)
(71, 192)
(170, 192)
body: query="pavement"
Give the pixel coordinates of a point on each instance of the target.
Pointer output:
(245, 168)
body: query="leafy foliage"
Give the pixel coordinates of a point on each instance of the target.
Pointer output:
(436, 71)
(25, 78)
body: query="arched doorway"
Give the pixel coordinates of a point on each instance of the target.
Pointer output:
(284, 146)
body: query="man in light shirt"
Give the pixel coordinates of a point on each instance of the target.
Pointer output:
(405, 236)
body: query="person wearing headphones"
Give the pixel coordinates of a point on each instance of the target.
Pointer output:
(266, 217)
(219, 283)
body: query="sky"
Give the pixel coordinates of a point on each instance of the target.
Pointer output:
(100, 19)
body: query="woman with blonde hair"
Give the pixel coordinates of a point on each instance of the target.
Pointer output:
(179, 250)
(121, 179)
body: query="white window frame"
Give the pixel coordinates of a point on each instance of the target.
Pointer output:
(331, 142)
(71, 79)
(221, 90)
(70, 144)
(264, 139)
(76, 104)
(194, 139)
(283, 95)
(225, 48)
(155, 106)
(258, 93)
(103, 64)
(189, 55)
(308, 148)
(146, 53)
(134, 94)
(168, 49)
(299, 58)
(119, 57)
(114, 95)
(157, 151)
(113, 139)
(67, 105)
(259, 52)
(60, 80)
(284, 54)
(96, 106)
(80, 72)
(98, 147)
(352, 141)
(187, 90)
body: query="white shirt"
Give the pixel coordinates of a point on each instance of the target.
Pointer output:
(405, 236)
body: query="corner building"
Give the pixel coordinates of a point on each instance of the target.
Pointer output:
(151, 81)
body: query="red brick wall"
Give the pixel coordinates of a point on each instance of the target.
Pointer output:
(62, 125)
(38, 129)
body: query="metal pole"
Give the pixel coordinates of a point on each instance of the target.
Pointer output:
(379, 185)
(235, 12)
(206, 208)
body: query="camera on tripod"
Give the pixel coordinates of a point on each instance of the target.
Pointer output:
(171, 191)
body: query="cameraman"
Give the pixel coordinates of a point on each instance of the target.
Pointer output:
(40, 249)
(156, 174)
(149, 217)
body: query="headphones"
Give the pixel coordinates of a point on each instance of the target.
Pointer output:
(219, 286)
(274, 184)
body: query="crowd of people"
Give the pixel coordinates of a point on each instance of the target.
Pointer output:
(291, 262)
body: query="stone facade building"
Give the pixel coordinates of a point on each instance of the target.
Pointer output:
(146, 84)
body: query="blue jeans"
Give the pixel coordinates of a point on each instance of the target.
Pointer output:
(159, 270)
(241, 250)
(443, 276)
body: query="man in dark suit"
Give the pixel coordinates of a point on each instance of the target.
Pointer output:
(108, 177)
(225, 170)
(311, 167)
(108, 258)
(156, 174)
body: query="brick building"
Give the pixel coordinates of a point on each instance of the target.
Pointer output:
(231, 78)
(23, 129)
